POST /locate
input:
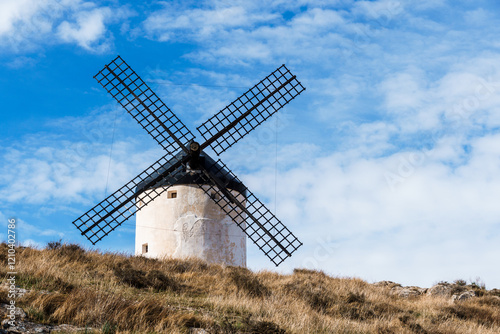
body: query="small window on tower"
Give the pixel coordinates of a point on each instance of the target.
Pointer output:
(144, 248)
(172, 194)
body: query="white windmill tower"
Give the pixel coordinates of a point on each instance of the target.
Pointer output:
(189, 205)
(186, 222)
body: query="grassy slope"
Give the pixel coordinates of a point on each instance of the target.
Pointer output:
(139, 295)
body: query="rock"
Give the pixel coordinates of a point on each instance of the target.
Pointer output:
(408, 291)
(197, 331)
(388, 284)
(5, 323)
(23, 326)
(18, 312)
(402, 291)
(456, 292)
(70, 329)
(440, 289)
(463, 296)
(495, 292)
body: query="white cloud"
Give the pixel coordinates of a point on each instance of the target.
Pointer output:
(317, 18)
(20, 20)
(478, 16)
(200, 23)
(404, 91)
(13, 12)
(25, 25)
(427, 4)
(432, 224)
(24, 232)
(58, 170)
(88, 29)
(21, 62)
(312, 35)
(31, 243)
(465, 97)
(249, 31)
(379, 10)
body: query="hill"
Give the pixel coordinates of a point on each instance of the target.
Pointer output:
(112, 293)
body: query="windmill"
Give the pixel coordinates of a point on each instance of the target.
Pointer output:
(186, 192)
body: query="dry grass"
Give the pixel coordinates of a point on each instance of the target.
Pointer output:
(113, 293)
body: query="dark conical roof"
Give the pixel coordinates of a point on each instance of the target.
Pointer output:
(184, 177)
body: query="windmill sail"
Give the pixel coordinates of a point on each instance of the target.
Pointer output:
(126, 87)
(262, 227)
(106, 216)
(248, 111)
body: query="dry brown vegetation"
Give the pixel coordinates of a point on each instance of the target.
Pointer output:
(113, 293)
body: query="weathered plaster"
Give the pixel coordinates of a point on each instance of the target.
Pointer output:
(190, 225)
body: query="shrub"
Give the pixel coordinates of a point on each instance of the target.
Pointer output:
(265, 327)
(246, 282)
(179, 266)
(415, 327)
(4, 297)
(61, 285)
(3, 252)
(130, 276)
(303, 271)
(494, 292)
(52, 245)
(158, 281)
(139, 279)
(355, 297)
(48, 304)
(478, 283)
(35, 314)
(318, 299)
(489, 301)
(247, 325)
(481, 315)
(72, 252)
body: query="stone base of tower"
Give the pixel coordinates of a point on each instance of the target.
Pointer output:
(185, 222)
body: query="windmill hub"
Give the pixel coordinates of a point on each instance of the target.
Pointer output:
(195, 147)
(187, 204)
(195, 150)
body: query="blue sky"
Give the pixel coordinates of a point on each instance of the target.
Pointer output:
(387, 167)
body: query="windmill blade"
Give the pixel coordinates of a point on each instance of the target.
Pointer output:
(248, 111)
(106, 216)
(262, 227)
(144, 105)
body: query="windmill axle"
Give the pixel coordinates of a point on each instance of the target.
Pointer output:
(194, 152)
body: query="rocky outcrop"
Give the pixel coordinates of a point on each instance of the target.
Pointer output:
(27, 327)
(463, 296)
(14, 320)
(443, 289)
(409, 291)
(456, 292)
